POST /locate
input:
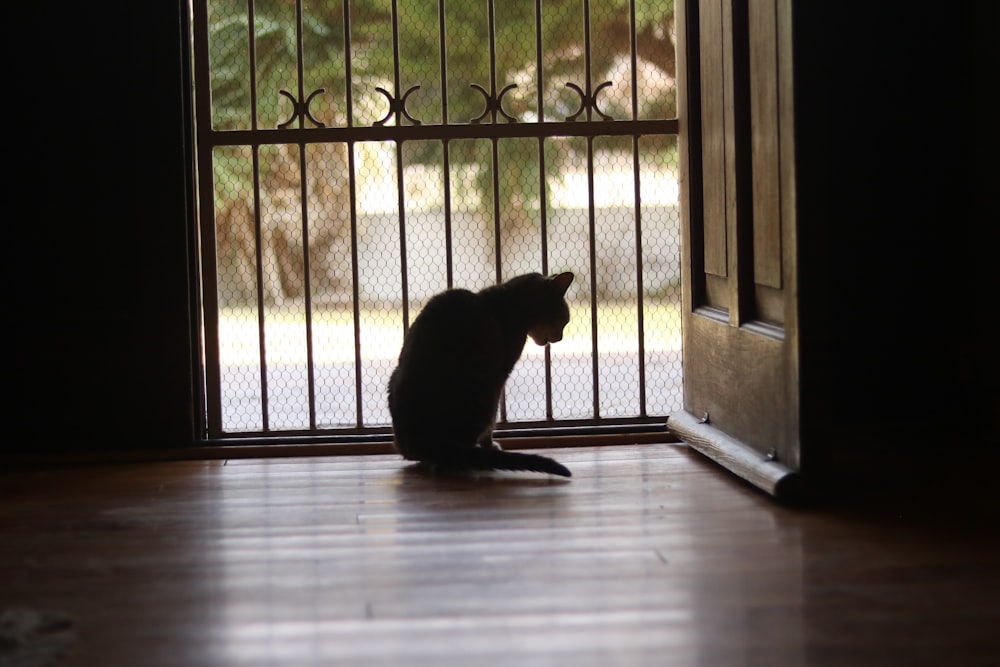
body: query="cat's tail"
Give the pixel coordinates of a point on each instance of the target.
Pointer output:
(485, 458)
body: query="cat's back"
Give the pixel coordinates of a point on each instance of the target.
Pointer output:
(447, 312)
(451, 343)
(450, 302)
(449, 326)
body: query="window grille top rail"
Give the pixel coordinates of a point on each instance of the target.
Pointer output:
(440, 132)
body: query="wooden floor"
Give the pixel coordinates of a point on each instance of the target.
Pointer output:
(649, 555)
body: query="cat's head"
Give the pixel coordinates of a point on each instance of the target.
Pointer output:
(555, 312)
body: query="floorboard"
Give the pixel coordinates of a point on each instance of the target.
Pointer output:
(649, 555)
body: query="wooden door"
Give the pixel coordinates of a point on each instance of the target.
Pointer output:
(741, 404)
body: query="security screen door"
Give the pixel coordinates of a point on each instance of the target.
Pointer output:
(354, 157)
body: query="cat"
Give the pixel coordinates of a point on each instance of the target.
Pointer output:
(455, 359)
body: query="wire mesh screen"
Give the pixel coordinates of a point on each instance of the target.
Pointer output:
(356, 158)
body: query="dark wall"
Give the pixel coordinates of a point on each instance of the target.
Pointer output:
(97, 321)
(898, 227)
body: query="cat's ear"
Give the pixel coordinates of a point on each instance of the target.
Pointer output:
(562, 281)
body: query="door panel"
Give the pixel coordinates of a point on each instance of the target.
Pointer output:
(763, 56)
(714, 168)
(740, 339)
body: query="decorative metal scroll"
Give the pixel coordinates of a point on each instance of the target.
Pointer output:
(494, 103)
(397, 105)
(301, 109)
(588, 101)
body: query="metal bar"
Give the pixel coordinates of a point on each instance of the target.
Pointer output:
(445, 148)
(448, 242)
(443, 48)
(566, 427)
(400, 191)
(299, 65)
(252, 55)
(206, 207)
(591, 216)
(307, 284)
(639, 285)
(611, 128)
(497, 251)
(539, 62)
(259, 271)
(258, 232)
(355, 290)
(397, 91)
(353, 195)
(202, 73)
(544, 235)
(495, 148)
(348, 68)
(543, 192)
(304, 204)
(192, 245)
(491, 8)
(633, 59)
(404, 276)
(637, 198)
(586, 58)
(592, 233)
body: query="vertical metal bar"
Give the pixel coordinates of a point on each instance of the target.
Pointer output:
(304, 201)
(193, 249)
(586, 56)
(400, 193)
(299, 65)
(498, 264)
(444, 61)
(591, 220)
(494, 143)
(543, 191)
(639, 287)
(539, 62)
(446, 156)
(258, 232)
(252, 54)
(206, 207)
(497, 254)
(259, 261)
(448, 243)
(491, 19)
(633, 59)
(491, 29)
(348, 73)
(544, 233)
(355, 289)
(352, 173)
(592, 233)
(395, 61)
(495, 147)
(401, 205)
(307, 282)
